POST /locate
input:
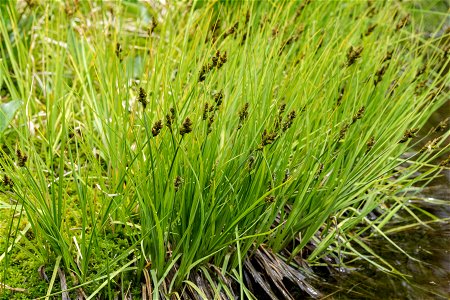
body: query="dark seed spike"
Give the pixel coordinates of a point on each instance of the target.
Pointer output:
(290, 119)
(243, 115)
(22, 158)
(251, 161)
(281, 109)
(269, 199)
(217, 62)
(7, 182)
(402, 23)
(353, 54)
(409, 134)
(441, 126)
(218, 99)
(231, 30)
(431, 145)
(153, 25)
(157, 128)
(343, 131)
(445, 162)
(142, 97)
(178, 181)
(388, 56)
(359, 114)
(341, 94)
(118, 50)
(186, 127)
(380, 73)
(210, 122)
(170, 118)
(267, 138)
(370, 144)
(205, 111)
(370, 29)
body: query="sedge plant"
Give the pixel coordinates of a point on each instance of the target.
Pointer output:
(158, 141)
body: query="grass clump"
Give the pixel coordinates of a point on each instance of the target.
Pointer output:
(159, 146)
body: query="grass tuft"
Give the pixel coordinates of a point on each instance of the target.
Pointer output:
(177, 150)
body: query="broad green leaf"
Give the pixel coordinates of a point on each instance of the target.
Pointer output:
(7, 112)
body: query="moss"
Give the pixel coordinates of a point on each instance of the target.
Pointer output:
(22, 272)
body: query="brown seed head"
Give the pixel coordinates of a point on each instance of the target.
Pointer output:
(290, 119)
(215, 59)
(170, 118)
(409, 134)
(218, 98)
(445, 162)
(210, 122)
(359, 114)
(142, 97)
(380, 73)
(319, 171)
(275, 31)
(269, 199)
(118, 50)
(267, 138)
(388, 56)
(431, 145)
(153, 25)
(215, 26)
(223, 59)
(243, 115)
(186, 127)
(353, 54)
(301, 8)
(370, 144)
(205, 111)
(231, 30)
(343, 131)
(370, 29)
(7, 182)
(22, 158)
(178, 181)
(341, 94)
(281, 108)
(202, 75)
(402, 23)
(157, 128)
(251, 161)
(441, 126)
(420, 87)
